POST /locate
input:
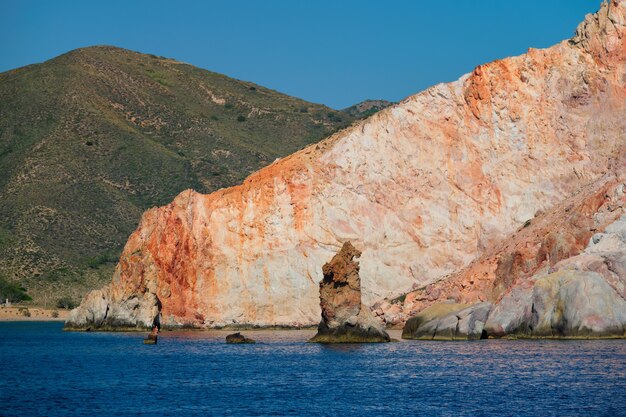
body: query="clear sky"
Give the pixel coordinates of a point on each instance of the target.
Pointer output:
(331, 52)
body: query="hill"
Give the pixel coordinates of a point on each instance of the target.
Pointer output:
(92, 138)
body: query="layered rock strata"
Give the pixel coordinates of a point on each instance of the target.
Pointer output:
(344, 317)
(424, 188)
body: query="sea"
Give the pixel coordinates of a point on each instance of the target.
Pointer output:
(45, 371)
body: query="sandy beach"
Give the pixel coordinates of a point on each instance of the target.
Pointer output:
(22, 313)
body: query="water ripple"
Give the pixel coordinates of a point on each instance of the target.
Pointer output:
(46, 372)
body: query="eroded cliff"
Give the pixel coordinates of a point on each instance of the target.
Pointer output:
(424, 188)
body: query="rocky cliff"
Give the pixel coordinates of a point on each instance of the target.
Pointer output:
(424, 188)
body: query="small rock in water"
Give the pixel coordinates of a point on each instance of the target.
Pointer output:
(238, 338)
(152, 337)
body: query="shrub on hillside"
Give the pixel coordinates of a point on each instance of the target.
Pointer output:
(101, 259)
(12, 292)
(66, 303)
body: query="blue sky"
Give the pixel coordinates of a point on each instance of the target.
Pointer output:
(331, 52)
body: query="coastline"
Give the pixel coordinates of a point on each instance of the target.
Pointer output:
(184, 328)
(24, 313)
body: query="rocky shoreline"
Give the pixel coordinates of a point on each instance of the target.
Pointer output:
(580, 297)
(395, 334)
(184, 328)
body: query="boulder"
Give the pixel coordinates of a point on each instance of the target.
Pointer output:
(97, 311)
(574, 303)
(238, 338)
(564, 304)
(344, 318)
(512, 315)
(448, 321)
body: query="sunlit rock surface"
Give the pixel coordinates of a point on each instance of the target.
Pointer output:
(448, 321)
(581, 296)
(423, 188)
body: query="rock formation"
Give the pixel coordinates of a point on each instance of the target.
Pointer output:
(583, 295)
(139, 310)
(153, 337)
(550, 237)
(448, 321)
(344, 317)
(426, 188)
(580, 296)
(238, 338)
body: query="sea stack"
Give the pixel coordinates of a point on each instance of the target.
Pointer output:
(344, 318)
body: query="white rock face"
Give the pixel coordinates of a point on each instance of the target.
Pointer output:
(583, 296)
(421, 188)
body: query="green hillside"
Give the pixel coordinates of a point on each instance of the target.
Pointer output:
(92, 138)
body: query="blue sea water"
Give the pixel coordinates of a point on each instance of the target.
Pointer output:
(47, 372)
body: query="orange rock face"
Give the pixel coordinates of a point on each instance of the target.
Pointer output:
(424, 188)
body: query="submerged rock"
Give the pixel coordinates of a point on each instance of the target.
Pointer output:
(448, 321)
(152, 337)
(344, 318)
(238, 338)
